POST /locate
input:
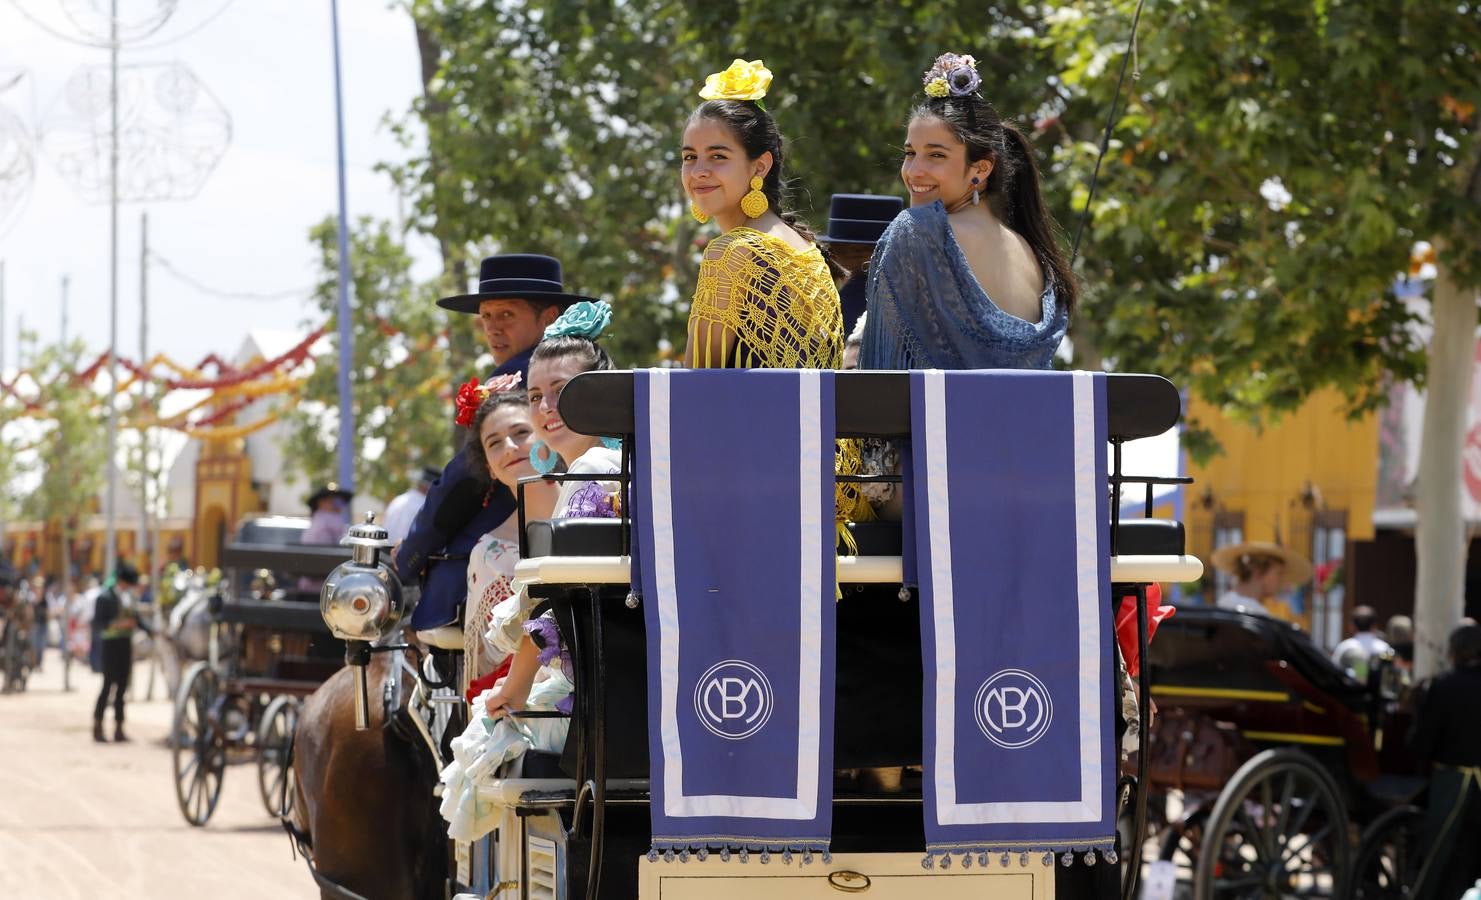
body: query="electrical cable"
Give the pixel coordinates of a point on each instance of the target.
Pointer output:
(226, 295)
(1105, 141)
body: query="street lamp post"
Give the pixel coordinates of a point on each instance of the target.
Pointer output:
(110, 552)
(346, 339)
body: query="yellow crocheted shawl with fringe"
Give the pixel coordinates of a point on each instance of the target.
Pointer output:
(760, 303)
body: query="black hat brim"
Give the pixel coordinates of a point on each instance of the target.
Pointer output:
(468, 303)
(316, 496)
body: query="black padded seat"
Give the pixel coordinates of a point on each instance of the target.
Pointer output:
(603, 537)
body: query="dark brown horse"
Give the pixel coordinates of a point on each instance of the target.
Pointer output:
(364, 809)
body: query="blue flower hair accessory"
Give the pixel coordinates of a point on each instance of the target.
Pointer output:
(584, 319)
(952, 75)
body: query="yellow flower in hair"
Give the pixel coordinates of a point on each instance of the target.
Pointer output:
(742, 81)
(936, 87)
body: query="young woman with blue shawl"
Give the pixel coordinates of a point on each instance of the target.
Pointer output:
(969, 277)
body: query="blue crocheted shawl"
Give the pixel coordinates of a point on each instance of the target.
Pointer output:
(927, 311)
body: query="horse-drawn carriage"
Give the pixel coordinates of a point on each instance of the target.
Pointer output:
(267, 648)
(1272, 759)
(577, 824)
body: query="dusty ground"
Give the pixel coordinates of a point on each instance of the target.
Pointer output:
(86, 820)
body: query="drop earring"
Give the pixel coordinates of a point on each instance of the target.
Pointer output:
(755, 204)
(975, 192)
(697, 213)
(543, 458)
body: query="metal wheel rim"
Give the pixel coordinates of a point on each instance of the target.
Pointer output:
(1267, 808)
(274, 744)
(199, 756)
(1388, 857)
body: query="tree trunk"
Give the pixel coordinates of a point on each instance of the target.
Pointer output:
(1440, 534)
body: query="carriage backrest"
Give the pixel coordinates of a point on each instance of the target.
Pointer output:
(878, 649)
(874, 404)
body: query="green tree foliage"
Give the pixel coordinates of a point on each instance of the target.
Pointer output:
(71, 456)
(554, 125)
(1274, 166)
(402, 384)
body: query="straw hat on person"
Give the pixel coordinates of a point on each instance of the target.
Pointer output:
(1297, 567)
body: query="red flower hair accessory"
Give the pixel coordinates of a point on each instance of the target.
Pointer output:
(472, 394)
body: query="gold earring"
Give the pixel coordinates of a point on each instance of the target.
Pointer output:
(755, 204)
(697, 213)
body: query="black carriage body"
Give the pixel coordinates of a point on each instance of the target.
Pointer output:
(603, 814)
(266, 655)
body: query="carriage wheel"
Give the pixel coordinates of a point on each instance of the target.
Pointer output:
(1389, 856)
(275, 755)
(200, 747)
(1180, 844)
(1278, 829)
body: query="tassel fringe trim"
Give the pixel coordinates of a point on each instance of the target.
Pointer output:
(939, 856)
(802, 852)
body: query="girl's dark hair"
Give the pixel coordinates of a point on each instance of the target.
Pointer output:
(758, 134)
(593, 357)
(478, 462)
(1013, 184)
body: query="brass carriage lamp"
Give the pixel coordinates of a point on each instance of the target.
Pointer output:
(362, 602)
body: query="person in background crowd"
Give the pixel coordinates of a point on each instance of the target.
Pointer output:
(1400, 635)
(1261, 571)
(1357, 652)
(329, 515)
(519, 295)
(40, 620)
(403, 508)
(115, 619)
(1447, 737)
(855, 222)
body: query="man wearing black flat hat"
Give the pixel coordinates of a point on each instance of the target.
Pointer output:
(115, 617)
(855, 222)
(519, 294)
(329, 515)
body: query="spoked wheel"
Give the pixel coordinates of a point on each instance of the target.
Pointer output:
(1389, 856)
(1279, 829)
(1180, 845)
(199, 745)
(275, 755)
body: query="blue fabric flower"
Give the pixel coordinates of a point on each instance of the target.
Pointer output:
(584, 319)
(963, 80)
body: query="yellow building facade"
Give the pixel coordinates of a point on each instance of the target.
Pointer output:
(1307, 481)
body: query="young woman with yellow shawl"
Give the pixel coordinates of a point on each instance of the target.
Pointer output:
(765, 297)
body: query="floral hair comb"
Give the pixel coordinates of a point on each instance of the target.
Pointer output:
(742, 81)
(952, 75)
(584, 319)
(471, 395)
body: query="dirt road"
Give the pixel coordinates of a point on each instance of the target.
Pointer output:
(85, 820)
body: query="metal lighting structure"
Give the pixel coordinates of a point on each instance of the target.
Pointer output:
(346, 339)
(110, 551)
(174, 134)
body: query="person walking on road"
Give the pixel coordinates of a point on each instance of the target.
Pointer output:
(115, 618)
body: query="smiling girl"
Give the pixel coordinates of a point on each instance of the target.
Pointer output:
(765, 296)
(969, 277)
(501, 454)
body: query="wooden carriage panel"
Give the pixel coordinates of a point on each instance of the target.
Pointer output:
(883, 876)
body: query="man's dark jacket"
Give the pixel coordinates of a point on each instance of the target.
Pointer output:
(451, 521)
